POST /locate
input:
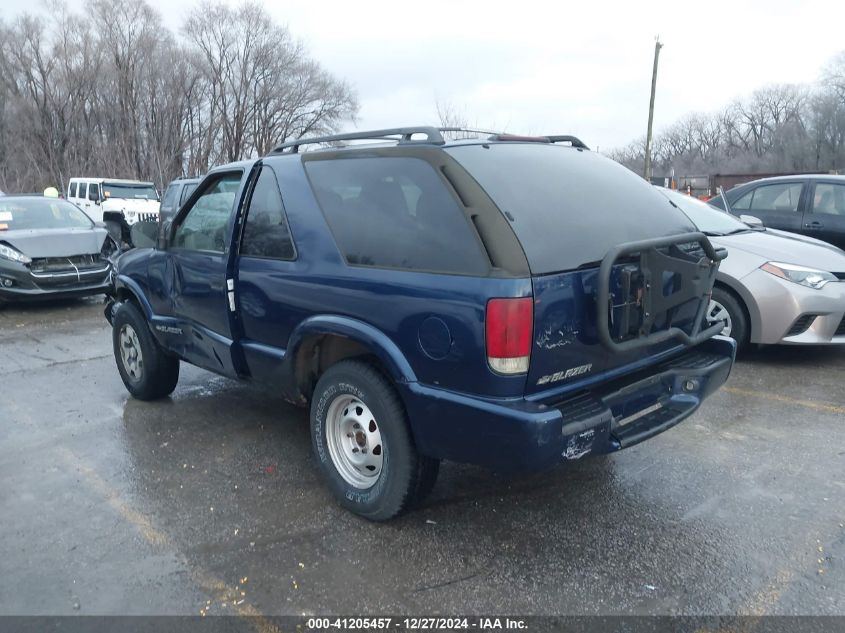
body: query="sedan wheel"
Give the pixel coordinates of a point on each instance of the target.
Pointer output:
(717, 313)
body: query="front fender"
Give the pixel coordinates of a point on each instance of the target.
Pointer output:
(373, 339)
(124, 284)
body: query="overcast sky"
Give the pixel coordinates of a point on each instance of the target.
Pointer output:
(580, 68)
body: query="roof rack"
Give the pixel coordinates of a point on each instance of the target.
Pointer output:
(573, 140)
(405, 134)
(565, 138)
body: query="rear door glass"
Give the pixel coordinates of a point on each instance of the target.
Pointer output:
(568, 207)
(395, 212)
(829, 198)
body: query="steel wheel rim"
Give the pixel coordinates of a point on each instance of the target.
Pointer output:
(717, 313)
(130, 352)
(354, 441)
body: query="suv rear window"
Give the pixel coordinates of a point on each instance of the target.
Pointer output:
(395, 212)
(568, 207)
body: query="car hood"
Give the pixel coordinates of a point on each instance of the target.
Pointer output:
(787, 248)
(131, 204)
(56, 242)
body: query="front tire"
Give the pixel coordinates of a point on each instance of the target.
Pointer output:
(725, 307)
(147, 371)
(363, 444)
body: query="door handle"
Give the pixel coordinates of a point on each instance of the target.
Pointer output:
(814, 225)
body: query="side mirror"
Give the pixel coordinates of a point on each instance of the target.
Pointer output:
(751, 220)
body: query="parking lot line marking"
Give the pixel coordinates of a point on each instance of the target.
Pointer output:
(112, 497)
(766, 395)
(212, 585)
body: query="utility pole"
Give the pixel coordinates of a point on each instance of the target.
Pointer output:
(647, 169)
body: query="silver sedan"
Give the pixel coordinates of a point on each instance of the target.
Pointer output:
(774, 287)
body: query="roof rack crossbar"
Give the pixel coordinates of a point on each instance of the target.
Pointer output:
(405, 134)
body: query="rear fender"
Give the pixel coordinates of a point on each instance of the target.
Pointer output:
(374, 340)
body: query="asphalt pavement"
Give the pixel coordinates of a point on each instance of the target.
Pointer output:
(210, 502)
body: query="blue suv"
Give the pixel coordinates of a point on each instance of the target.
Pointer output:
(516, 302)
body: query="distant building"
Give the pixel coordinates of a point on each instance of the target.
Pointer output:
(705, 187)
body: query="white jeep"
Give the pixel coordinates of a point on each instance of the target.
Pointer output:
(135, 200)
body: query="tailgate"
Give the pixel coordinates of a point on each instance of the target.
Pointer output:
(645, 300)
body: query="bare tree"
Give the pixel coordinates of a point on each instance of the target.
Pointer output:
(781, 127)
(259, 87)
(129, 99)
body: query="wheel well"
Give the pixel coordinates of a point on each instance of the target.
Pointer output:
(124, 294)
(316, 354)
(726, 288)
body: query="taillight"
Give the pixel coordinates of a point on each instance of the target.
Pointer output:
(508, 328)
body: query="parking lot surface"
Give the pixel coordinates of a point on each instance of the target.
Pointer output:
(209, 502)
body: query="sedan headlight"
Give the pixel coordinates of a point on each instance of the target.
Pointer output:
(810, 277)
(7, 252)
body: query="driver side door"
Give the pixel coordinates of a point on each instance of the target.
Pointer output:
(199, 255)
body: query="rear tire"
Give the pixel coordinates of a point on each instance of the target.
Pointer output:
(426, 478)
(147, 371)
(728, 308)
(363, 444)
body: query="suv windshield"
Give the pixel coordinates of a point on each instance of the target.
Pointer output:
(124, 190)
(568, 207)
(705, 217)
(40, 213)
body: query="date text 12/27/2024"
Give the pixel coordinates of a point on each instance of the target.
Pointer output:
(416, 624)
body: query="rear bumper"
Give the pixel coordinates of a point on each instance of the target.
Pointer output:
(518, 434)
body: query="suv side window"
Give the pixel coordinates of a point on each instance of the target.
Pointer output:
(170, 196)
(93, 192)
(777, 197)
(395, 212)
(187, 190)
(829, 199)
(266, 232)
(72, 192)
(204, 227)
